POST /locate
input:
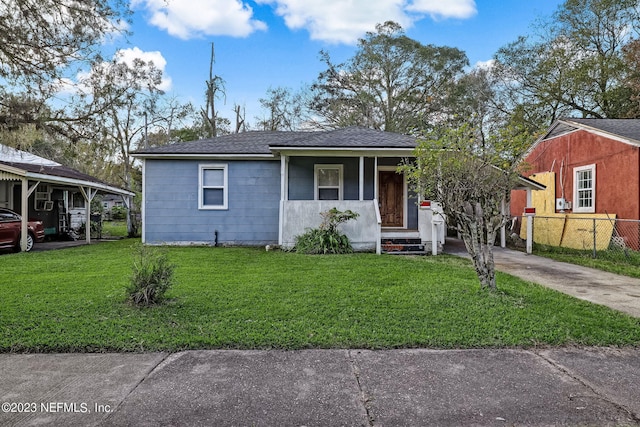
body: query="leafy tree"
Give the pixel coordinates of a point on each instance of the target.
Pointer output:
(44, 42)
(632, 83)
(574, 65)
(123, 93)
(392, 83)
(471, 179)
(40, 38)
(285, 110)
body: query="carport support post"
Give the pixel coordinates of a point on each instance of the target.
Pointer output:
(25, 215)
(88, 194)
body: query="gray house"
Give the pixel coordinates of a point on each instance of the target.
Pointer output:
(259, 188)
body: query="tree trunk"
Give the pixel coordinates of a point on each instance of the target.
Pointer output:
(479, 243)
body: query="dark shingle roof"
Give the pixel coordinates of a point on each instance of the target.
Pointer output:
(259, 142)
(61, 171)
(254, 142)
(352, 137)
(625, 128)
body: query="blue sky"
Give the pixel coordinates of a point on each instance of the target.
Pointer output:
(270, 43)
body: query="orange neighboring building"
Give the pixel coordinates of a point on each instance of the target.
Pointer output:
(595, 165)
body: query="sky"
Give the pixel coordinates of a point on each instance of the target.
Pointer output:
(264, 44)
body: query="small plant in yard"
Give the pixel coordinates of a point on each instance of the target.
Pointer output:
(327, 239)
(152, 276)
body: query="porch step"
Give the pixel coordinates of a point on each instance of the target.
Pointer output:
(401, 246)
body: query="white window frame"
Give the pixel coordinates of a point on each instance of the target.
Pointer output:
(576, 200)
(225, 187)
(316, 187)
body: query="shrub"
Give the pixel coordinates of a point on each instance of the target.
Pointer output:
(327, 239)
(152, 276)
(118, 213)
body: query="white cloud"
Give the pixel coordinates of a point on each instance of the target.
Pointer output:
(67, 86)
(127, 56)
(341, 21)
(338, 21)
(196, 18)
(461, 9)
(335, 21)
(485, 65)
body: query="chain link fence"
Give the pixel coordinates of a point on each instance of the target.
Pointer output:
(599, 236)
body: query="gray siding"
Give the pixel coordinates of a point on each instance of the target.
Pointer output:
(301, 170)
(171, 203)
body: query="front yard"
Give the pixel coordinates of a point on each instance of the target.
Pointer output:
(74, 300)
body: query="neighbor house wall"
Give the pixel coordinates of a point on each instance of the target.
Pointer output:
(617, 171)
(171, 213)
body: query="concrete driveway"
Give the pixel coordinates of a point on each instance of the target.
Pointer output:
(600, 287)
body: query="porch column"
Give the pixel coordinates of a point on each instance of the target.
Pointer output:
(361, 180)
(375, 177)
(284, 194)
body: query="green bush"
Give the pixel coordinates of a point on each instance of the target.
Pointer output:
(327, 239)
(118, 213)
(152, 276)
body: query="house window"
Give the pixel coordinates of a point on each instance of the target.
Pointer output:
(213, 187)
(584, 189)
(42, 197)
(77, 201)
(328, 182)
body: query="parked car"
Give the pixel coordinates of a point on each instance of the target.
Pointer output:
(10, 225)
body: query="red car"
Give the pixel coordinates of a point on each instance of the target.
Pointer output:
(10, 224)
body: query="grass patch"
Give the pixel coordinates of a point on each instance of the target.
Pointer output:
(75, 300)
(112, 229)
(626, 263)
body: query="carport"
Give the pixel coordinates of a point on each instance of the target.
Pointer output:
(31, 172)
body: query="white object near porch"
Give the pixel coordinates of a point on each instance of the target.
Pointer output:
(431, 226)
(300, 215)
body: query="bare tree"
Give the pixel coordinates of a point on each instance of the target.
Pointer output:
(215, 89)
(240, 113)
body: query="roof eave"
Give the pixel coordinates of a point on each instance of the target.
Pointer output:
(198, 156)
(77, 182)
(604, 133)
(528, 183)
(344, 151)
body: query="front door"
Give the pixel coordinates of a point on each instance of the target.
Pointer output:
(391, 198)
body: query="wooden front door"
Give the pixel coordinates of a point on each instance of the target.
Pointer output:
(391, 198)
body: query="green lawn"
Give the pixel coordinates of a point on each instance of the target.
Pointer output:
(74, 300)
(114, 229)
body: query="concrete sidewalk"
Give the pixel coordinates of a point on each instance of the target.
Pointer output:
(568, 386)
(615, 291)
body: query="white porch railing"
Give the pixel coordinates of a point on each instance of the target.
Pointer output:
(300, 215)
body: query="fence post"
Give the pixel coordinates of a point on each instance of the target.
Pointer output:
(595, 254)
(529, 234)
